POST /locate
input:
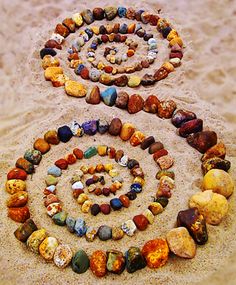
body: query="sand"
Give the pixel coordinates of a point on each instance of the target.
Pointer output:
(205, 84)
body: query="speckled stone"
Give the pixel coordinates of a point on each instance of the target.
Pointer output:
(104, 233)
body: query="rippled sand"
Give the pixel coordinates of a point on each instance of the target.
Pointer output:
(205, 83)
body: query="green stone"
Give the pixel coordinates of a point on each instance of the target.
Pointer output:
(162, 200)
(134, 259)
(60, 218)
(168, 173)
(34, 156)
(115, 261)
(80, 262)
(51, 180)
(91, 151)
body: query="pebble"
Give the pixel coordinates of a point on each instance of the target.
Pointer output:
(33, 156)
(115, 127)
(53, 209)
(51, 71)
(47, 51)
(64, 134)
(156, 252)
(61, 163)
(51, 137)
(87, 16)
(42, 146)
(215, 163)
(86, 206)
(94, 75)
(147, 142)
(151, 104)
(219, 182)
(60, 218)
(49, 61)
(156, 208)
(24, 164)
(54, 171)
(149, 216)
(168, 173)
(165, 186)
(105, 209)
(98, 14)
(70, 24)
(116, 204)
(168, 67)
(141, 222)
(117, 233)
(63, 256)
(190, 127)
(115, 261)
(90, 127)
(47, 248)
(70, 224)
(134, 81)
(91, 234)
(162, 200)
(165, 162)
(19, 199)
(82, 198)
(80, 227)
(166, 109)
(218, 150)
(122, 100)
(137, 138)
(148, 80)
(109, 96)
(123, 161)
(136, 187)
(110, 12)
(15, 185)
(80, 262)
(77, 18)
(103, 126)
(49, 190)
(62, 30)
(139, 180)
(137, 171)
(122, 12)
(212, 206)
(17, 173)
(195, 224)
(104, 233)
(98, 261)
(134, 260)
(123, 28)
(121, 81)
(129, 227)
(175, 61)
(75, 89)
(51, 180)
(155, 147)
(102, 150)
(182, 116)
(135, 104)
(79, 155)
(25, 230)
(35, 239)
(202, 141)
(159, 153)
(181, 243)
(160, 74)
(90, 152)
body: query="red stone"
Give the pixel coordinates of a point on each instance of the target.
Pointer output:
(52, 44)
(135, 104)
(17, 173)
(159, 153)
(19, 215)
(190, 127)
(141, 222)
(105, 209)
(151, 104)
(105, 38)
(62, 30)
(78, 153)
(108, 69)
(77, 192)
(202, 141)
(61, 163)
(125, 201)
(70, 158)
(84, 73)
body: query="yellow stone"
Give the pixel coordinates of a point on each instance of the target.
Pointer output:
(35, 239)
(95, 29)
(172, 34)
(91, 59)
(15, 185)
(219, 182)
(168, 66)
(75, 62)
(126, 131)
(77, 18)
(59, 80)
(50, 61)
(175, 41)
(149, 215)
(134, 81)
(84, 169)
(139, 179)
(211, 205)
(86, 206)
(82, 198)
(48, 247)
(114, 71)
(156, 208)
(52, 71)
(100, 65)
(113, 172)
(75, 89)
(108, 167)
(112, 59)
(102, 150)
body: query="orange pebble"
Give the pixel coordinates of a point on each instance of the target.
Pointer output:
(125, 201)
(19, 215)
(156, 252)
(130, 52)
(17, 173)
(108, 69)
(100, 168)
(137, 138)
(78, 153)
(98, 263)
(92, 170)
(70, 158)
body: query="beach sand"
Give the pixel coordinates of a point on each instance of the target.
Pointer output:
(205, 84)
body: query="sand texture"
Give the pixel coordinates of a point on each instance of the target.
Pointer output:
(205, 84)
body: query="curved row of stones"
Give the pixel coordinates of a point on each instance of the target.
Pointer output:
(69, 25)
(207, 206)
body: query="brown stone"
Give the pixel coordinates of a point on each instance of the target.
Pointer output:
(52, 44)
(122, 100)
(160, 74)
(62, 30)
(94, 96)
(42, 145)
(151, 104)
(147, 80)
(135, 104)
(115, 127)
(166, 109)
(70, 24)
(202, 141)
(121, 81)
(155, 147)
(218, 150)
(190, 127)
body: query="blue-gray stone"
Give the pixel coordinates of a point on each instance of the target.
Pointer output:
(54, 171)
(122, 12)
(70, 223)
(104, 232)
(109, 96)
(80, 227)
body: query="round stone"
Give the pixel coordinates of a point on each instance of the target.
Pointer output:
(62, 256)
(116, 204)
(80, 262)
(47, 248)
(104, 233)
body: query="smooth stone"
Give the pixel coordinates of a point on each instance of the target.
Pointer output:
(193, 126)
(110, 12)
(115, 261)
(132, 163)
(211, 205)
(15, 185)
(109, 96)
(80, 227)
(18, 199)
(70, 224)
(218, 150)
(94, 96)
(129, 227)
(122, 12)
(64, 134)
(62, 256)
(151, 104)
(162, 200)
(47, 248)
(17, 173)
(25, 230)
(90, 127)
(79, 69)
(60, 218)
(116, 204)
(91, 234)
(141, 222)
(115, 127)
(87, 16)
(94, 75)
(54, 171)
(134, 260)
(51, 137)
(104, 233)
(147, 80)
(202, 141)
(91, 151)
(195, 224)
(181, 243)
(35, 239)
(156, 208)
(166, 109)
(47, 51)
(105, 209)
(215, 163)
(123, 29)
(24, 164)
(181, 116)
(98, 14)
(33, 156)
(155, 147)
(147, 142)
(51, 180)
(95, 209)
(19, 214)
(136, 187)
(134, 81)
(98, 261)
(135, 104)
(76, 129)
(122, 100)
(117, 233)
(103, 126)
(80, 262)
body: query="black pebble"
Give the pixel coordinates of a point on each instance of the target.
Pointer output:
(47, 51)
